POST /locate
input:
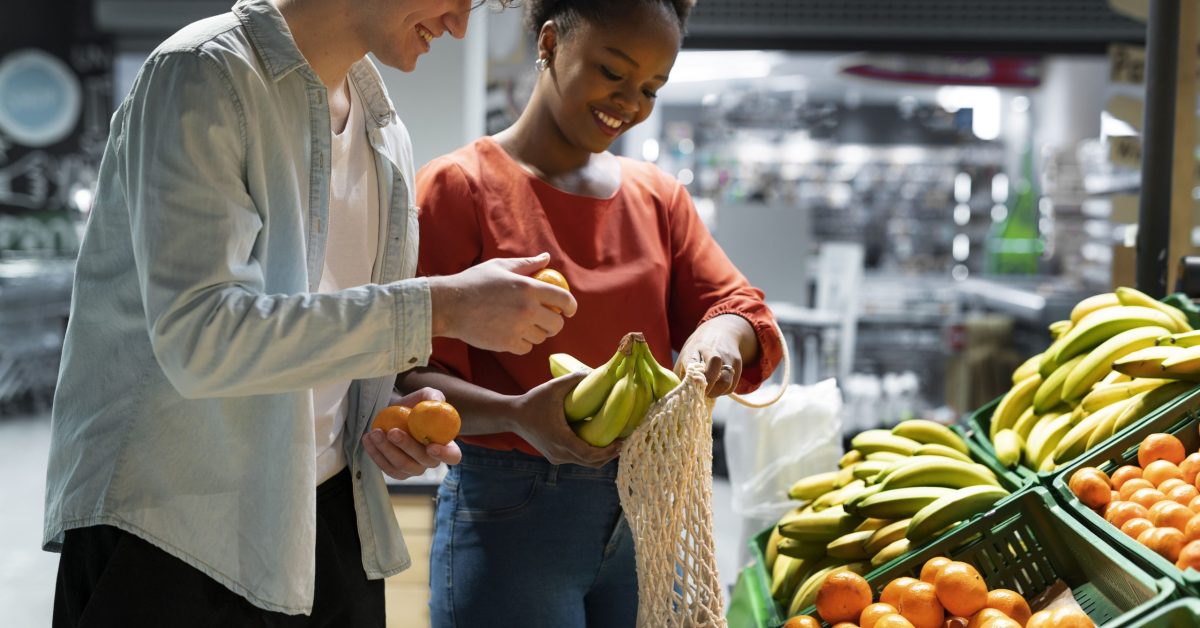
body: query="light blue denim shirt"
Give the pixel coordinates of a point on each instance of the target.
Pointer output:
(183, 412)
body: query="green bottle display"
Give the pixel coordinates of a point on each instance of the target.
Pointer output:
(1013, 244)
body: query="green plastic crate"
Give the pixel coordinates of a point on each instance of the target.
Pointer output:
(756, 580)
(1183, 613)
(1179, 417)
(1027, 543)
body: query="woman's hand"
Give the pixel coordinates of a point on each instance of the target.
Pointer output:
(722, 344)
(398, 454)
(542, 423)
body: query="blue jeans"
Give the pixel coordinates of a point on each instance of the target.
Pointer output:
(521, 542)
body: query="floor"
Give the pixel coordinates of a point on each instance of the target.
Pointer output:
(27, 574)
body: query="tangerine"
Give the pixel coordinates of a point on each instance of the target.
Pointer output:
(1120, 512)
(984, 615)
(1169, 514)
(1189, 556)
(1011, 603)
(1136, 526)
(802, 621)
(843, 596)
(919, 604)
(930, 569)
(554, 278)
(1183, 494)
(1147, 497)
(1166, 542)
(1190, 467)
(1124, 474)
(1171, 483)
(1160, 447)
(961, 589)
(895, 620)
(392, 418)
(1091, 487)
(872, 614)
(1192, 530)
(1132, 486)
(1160, 471)
(434, 422)
(891, 592)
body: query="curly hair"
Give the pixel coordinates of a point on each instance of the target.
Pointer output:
(568, 13)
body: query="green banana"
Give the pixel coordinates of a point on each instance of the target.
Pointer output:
(1186, 339)
(645, 398)
(563, 363)
(1093, 303)
(795, 548)
(838, 496)
(850, 457)
(850, 546)
(1103, 324)
(1132, 296)
(1009, 446)
(1186, 363)
(928, 432)
(1047, 364)
(886, 535)
(905, 462)
(940, 472)
(1013, 404)
(1147, 362)
(1097, 363)
(1045, 438)
(851, 505)
(1074, 442)
(820, 527)
(1058, 328)
(934, 449)
(946, 511)
(894, 550)
(899, 503)
(871, 441)
(1105, 395)
(1103, 430)
(771, 551)
(870, 468)
(614, 414)
(1049, 393)
(813, 486)
(786, 575)
(664, 380)
(1027, 368)
(587, 398)
(1144, 403)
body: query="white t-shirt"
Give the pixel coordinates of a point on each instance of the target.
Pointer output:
(350, 249)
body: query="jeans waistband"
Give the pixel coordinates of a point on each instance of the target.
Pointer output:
(475, 456)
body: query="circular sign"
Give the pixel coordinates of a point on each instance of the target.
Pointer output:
(39, 98)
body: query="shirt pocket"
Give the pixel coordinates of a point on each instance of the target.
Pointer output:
(495, 494)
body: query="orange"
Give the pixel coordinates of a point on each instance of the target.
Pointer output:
(1167, 485)
(931, 568)
(802, 621)
(984, 616)
(1160, 447)
(845, 624)
(1136, 526)
(554, 278)
(434, 422)
(919, 604)
(1169, 514)
(1091, 487)
(392, 417)
(1072, 618)
(872, 613)
(843, 596)
(1195, 504)
(1166, 542)
(1011, 603)
(1124, 511)
(1189, 556)
(1147, 497)
(1132, 486)
(1183, 494)
(1190, 467)
(891, 593)
(1124, 474)
(1000, 622)
(961, 589)
(895, 620)
(1113, 496)
(1191, 531)
(1160, 471)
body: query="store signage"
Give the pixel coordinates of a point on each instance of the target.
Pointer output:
(1127, 65)
(40, 98)
(1125, 150)
(947, 70)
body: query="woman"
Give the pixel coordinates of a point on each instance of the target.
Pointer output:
(529, 529)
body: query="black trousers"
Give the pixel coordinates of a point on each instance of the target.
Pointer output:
(109, 577)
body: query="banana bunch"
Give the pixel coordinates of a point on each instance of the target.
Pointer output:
(611, 401)
(895, 489)
(1108, 366)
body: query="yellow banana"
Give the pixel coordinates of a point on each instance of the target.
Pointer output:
(1097, 363)
(930, 432)
(563, 363)
(1184, 364)
(1145, 403)
(1133, 296)
(1058, 328)
(1075, 441)
(1104, 395)
(1103, 324)
(1147, 362)
(614, 414)
(1009, 446)
(1049, 393)
(1025, 423)
(1013, 404)
(850, 457)
(1093, 303)
(1027, 368)
(645, 397)
(1186, 339)
(589, 395)
(893, 551)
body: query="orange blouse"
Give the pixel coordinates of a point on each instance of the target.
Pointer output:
(641, 260)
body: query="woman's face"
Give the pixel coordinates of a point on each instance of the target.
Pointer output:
(603, 78)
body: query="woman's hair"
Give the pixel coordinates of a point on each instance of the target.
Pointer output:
(567, 13)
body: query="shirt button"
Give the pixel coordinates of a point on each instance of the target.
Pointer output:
(358, 475)
(412, 360)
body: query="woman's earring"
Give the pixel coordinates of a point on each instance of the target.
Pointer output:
(541, 64)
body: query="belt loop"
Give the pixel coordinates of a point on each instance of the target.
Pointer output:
(552, 475)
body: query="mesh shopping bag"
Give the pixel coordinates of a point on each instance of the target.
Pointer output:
(665, 483)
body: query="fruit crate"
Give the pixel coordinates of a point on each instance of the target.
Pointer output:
(1009, 478)
(1180, 417)
(1183, 613)
(1027, 543)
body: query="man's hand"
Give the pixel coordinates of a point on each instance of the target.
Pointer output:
(721, 344)
(541, 422)
(398, 454)
(497, 306)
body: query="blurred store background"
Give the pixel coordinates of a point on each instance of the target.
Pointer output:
(919, 186)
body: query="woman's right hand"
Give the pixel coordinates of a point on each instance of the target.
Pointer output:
(542, 423)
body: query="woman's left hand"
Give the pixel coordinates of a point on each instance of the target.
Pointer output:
(722, 344)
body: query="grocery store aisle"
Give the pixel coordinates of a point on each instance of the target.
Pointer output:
(26, 572)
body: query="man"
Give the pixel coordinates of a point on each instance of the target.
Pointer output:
(243, 302)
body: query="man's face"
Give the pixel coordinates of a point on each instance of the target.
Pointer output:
(400, 32)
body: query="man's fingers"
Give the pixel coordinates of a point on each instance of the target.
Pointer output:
(553, 297)
(422, 394)
(381, 461)
(450, 453)
(409, 447)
